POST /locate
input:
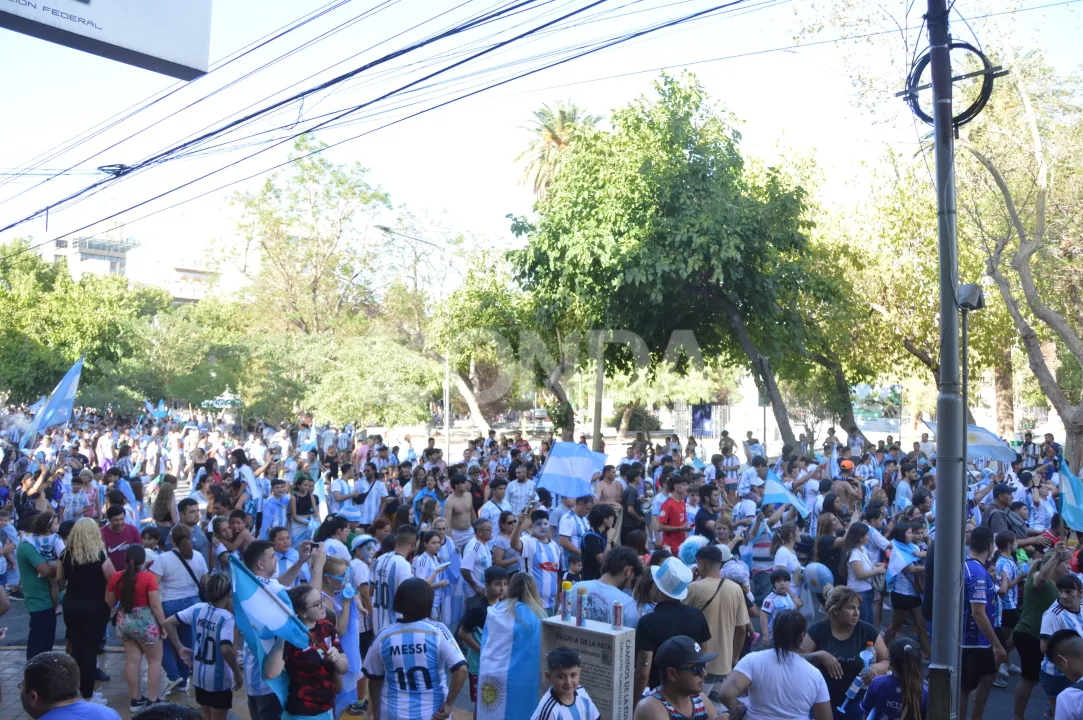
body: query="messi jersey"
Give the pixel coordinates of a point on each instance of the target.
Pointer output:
(211, 628)
(387, 574)
(414, 661)
(581, 708)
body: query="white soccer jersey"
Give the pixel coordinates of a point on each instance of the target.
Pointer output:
(340, 486)
(424, 565)
(212, 627)
(542, 561)
(414, 661)
(477, 558)
(387, 574)
(376, 492)
(582, 707)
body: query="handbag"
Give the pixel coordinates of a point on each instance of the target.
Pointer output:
(202, 590)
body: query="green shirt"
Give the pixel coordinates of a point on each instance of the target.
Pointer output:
(1035, 602)
(36, 589)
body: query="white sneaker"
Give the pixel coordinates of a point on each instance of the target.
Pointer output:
(98, 698)
(1014, 669)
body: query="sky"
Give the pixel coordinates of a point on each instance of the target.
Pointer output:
(455, 162)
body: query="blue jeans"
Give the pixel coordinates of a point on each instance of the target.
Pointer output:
(866, 607)
(175, 667)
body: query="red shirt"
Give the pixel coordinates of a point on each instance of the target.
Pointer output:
(673, 514)
(312, 678)
(116, 544)
(145, 583)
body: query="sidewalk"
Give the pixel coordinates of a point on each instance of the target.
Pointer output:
(12, 661)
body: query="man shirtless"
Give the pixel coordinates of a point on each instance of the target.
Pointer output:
(459, 511)
(609, 491)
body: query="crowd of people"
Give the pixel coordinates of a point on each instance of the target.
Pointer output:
(816, 603)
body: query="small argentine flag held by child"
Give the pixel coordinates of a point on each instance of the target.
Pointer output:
(902, 555)
(509, 670)
(263, 615)
(775, 492)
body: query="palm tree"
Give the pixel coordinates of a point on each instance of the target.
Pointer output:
(554, 131)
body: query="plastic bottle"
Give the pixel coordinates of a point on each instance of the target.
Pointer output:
(867, 656)
(580, 602)
(565, 601)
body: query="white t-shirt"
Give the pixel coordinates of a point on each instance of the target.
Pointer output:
(174, 581)
(1070, 705)
(781, 691)
(786, 558)
(477, 558)
(852, 581)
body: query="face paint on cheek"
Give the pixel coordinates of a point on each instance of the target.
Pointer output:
(541, 527)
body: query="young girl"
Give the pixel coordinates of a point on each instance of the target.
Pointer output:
(430, 510)
(302, 509)
(215, 672)
(429, 491)
(782, 548)
(1008, 577)
(901, 694)
(139, 620)
(311, 670)
(427, 566)
(221, 534)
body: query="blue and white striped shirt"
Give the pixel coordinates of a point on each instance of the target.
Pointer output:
(550, 708)
(414, 660)
(212, 627)
(387, 574)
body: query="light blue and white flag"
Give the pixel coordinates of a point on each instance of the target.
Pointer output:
(836, 471)
(509, 668)
(36, 407)
(162, 411)
(149, 408)
(262, 616)
(1071, 493)
(902, 555)
(697, 463)
(569, 469)
(58, 408)
(775, 492)
(351, 648)
(981, 443)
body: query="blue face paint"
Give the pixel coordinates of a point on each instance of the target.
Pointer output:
(348, 590)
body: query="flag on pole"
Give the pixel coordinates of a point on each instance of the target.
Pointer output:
(981, 443)
(902, 555)
(569, 469)
(1071, 492)
(149, 408)
(58, 409)
(775, 492)
(162, 411)
(36, 407)
(264, 614)
(509, 669)
(836, 471)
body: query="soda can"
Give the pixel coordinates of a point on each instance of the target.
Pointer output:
(618, 615)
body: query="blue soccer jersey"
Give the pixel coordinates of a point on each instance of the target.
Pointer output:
(212, 627)
(414, 660)
(979, 589)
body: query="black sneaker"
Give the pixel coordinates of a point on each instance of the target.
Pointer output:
(101, 676)
(136, 705)
(16, 595)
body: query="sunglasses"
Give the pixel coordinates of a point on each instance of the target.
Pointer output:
(697, 668)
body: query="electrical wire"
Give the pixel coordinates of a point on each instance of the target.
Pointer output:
(170, 90)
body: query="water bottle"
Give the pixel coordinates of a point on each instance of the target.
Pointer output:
(867, 656)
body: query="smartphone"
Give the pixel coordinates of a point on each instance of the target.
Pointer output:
(442, 567)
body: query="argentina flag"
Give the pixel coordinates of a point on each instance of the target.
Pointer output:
(902, 555)
(263, 615)
(58, 409)
(775, 492)
(1071, 494)
(509, 669)
(569, 469)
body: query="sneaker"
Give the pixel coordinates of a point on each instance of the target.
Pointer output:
(171, 685)
(1002, 672)
(16, 594)
(182, 687)
(102, 676)
(136, 705)
(98, 698)
(1014, 669)
(999, 682)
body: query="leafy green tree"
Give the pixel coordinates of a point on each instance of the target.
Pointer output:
(553, 131)
(659, 226)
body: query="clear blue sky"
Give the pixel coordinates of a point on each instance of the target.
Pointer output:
(456, 160)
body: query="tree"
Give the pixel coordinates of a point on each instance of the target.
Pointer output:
(657, 226)
(303, 244)
(553, 131)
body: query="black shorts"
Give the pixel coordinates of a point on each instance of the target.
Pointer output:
(216, 699)
(366, 642)
(904, 602)
(1009, 618)
(1030, 656)
(977, 663)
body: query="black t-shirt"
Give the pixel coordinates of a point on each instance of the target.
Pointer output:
(668, 619)
(703, 517)
(629, 499)
(845, 651)
(475, 610)
(593, 545)
(831, 558)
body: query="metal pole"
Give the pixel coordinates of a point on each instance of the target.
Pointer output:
(950, 489)
(447, 408)
(599, 388)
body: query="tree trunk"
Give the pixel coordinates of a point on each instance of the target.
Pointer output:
(842, 390)
(1002, 379)
(761, 366)
(1073, 446)
(552, 383)
(934, 367)
(626, 419)
(467, 392)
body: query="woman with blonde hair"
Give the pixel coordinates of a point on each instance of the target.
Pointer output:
(164, 511)
(514, 622)
(85, 566)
